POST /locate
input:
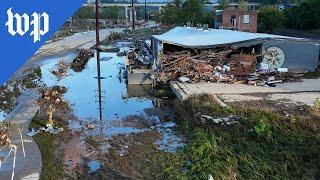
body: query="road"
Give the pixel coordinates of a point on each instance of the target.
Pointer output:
(67, 44)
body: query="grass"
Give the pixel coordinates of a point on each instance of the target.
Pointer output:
(264, 144)
(52, 167)
(312, 75)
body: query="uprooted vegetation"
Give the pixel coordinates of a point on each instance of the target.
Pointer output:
(263, 144)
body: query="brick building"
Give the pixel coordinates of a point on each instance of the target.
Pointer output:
(236, 20)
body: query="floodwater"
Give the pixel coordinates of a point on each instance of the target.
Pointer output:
(118, 101)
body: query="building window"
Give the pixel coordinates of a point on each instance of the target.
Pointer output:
(246, 19)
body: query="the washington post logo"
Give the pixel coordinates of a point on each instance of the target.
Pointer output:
(21, 24)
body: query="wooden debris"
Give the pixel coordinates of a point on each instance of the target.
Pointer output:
(83, 56)
(206, 65)
(218, 65)
(243, 64)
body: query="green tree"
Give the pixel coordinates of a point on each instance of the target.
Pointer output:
(304, 16)
(112, 12)
(84, 13)
(170, 15)
(269, 19)
(243, 5)
(177, 3)
(192, 11)
(224, 4)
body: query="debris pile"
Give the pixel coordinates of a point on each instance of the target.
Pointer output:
(229, 120)
(51, 100)
(80, 61)
(140, 57)
(60, 70)
(219, 65)
(4, 135)
(209, 66)
(114, 37)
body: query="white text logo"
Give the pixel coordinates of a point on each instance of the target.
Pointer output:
(39, 24)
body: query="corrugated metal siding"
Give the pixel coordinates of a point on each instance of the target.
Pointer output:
(300, 55)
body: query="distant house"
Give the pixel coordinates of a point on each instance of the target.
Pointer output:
(236, 20)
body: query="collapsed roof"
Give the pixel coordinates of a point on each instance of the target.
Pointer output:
(191, 37)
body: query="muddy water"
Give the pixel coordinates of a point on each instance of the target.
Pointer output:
(124, 109)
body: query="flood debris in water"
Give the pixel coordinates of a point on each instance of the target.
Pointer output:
(11, 90)
(50, 100)
(123, 119)
(60, 70)
(82, 58)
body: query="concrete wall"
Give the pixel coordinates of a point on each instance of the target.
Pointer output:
(300, 55)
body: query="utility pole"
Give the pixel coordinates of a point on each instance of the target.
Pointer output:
(145, 10)
(98, 59)
(133, 17)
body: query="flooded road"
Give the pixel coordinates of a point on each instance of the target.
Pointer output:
(125, 109)
(134, 125)
(83, 90)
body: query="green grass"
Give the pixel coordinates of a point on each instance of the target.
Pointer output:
(52, 167)
(263, 145)
(312, 75)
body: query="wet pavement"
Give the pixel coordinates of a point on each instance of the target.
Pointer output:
(28, 166)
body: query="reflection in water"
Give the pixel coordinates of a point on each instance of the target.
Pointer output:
(106, 101)
(82, 89)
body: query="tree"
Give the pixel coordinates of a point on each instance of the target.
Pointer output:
(112, 12)
(304, 16)
(177, 3)
(243, 5)
(85, 13)
(224, 4)
(269, 19)
(192, 11)
(170, 15)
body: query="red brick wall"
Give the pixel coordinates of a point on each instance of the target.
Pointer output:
(251, 26)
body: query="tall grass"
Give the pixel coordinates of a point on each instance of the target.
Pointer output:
(263, 145)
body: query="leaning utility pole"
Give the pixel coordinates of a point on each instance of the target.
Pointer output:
(133, 17)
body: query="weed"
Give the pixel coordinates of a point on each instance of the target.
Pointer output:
(262, 129)
(316, 104)
(277, 148)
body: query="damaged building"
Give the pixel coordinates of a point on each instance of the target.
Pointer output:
(217, 54)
